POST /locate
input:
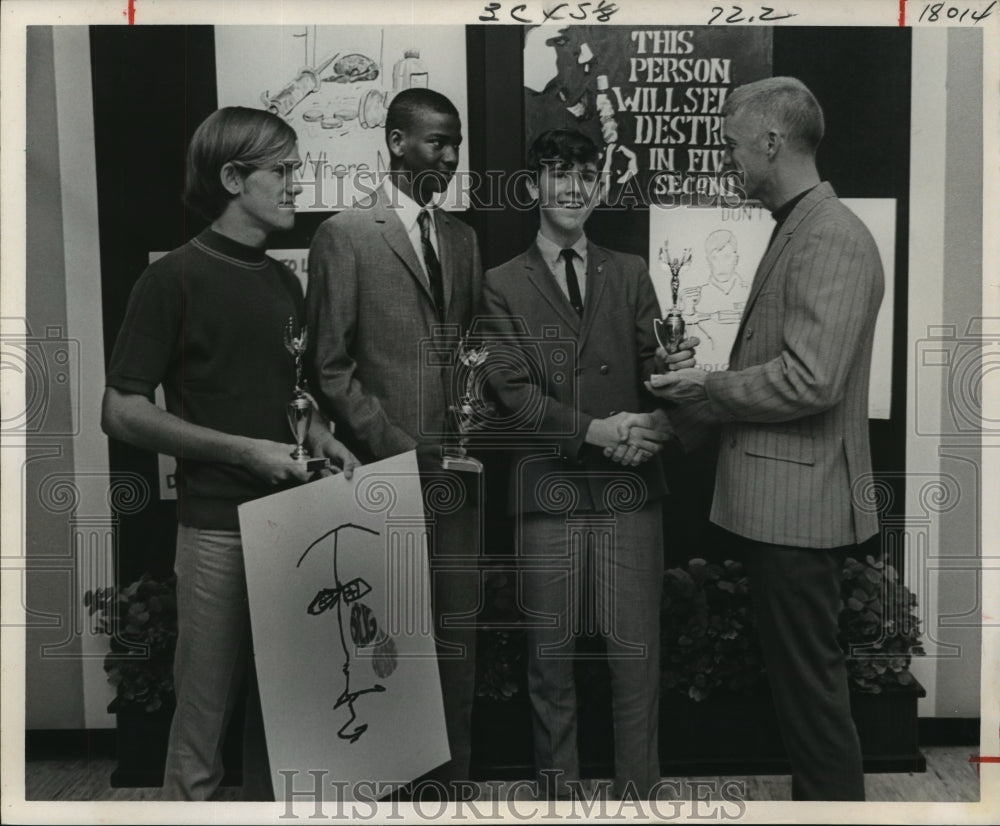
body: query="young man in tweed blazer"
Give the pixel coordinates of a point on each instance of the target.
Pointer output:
(794, 412)
(389, 280)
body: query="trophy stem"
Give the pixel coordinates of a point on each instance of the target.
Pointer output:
(299, 411)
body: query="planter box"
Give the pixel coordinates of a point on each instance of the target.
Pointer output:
(501, 738)
(141, 746)
(738, 734)
(723, 735)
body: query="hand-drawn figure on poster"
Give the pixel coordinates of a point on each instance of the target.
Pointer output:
(712, 309)
(365, 632)
(339, 589)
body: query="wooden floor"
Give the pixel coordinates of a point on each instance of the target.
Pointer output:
(949, 778)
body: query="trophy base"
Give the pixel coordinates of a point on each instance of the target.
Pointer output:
(314, 465)
(463, 463)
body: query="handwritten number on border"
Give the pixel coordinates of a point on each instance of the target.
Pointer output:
(599, 10)
(934, 12)
(767, 15)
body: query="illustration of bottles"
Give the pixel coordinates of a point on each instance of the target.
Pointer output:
(409, 73)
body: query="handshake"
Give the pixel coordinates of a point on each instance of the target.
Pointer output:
(631, 438)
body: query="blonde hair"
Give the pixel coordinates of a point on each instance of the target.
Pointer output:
(248, 138)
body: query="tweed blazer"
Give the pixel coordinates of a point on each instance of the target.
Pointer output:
(565, 371)
(381, 361)
(794, 401)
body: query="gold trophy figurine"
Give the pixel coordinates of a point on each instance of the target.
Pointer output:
(469, 409)
(300, 409)
(672, 325)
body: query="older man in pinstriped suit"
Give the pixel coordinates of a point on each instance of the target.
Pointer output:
(794, 412)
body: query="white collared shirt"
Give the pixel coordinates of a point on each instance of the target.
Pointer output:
(408, 211)
(552, 256)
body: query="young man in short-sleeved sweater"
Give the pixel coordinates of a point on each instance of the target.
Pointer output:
(207, 322)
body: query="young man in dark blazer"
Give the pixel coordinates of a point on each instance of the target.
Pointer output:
(389, 280)
(589, 529)
(794, 412)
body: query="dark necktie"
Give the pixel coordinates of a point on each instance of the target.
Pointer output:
(571, 283)
(432, 263)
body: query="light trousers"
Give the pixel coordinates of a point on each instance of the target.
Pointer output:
(212, 659)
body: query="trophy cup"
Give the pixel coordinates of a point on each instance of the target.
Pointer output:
(470, 407)
(300, 408)
(672, 325)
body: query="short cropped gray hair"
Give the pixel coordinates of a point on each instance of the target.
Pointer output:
(784, 103)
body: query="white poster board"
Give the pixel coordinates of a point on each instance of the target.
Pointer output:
(332, 84)
(343, 638)
(726, 246)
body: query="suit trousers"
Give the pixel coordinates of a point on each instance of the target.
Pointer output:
(796, 598)
(452, 510)
(594, 573)
(212, 659)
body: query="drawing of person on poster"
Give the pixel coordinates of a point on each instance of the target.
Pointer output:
(715, 306)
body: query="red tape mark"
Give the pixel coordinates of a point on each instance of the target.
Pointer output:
(978, 758)
(130, 12)
(902, 12)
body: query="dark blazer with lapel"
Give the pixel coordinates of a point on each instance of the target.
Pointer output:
(794, 400)
(560, 371)
(381, 360)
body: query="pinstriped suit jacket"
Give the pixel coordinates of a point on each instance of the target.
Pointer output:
(381, 361)
(794, 401)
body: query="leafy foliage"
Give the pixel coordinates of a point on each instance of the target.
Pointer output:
(708, 635)
(501, 658)
(879, 626)
(141, 620)
(708, 639)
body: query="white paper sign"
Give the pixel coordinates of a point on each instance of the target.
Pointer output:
(726, 245)
(343, 638)
(333, 84)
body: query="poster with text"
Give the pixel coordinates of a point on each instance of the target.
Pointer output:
(337, 575)
(648, 96)
(726, 245)
(333, 85)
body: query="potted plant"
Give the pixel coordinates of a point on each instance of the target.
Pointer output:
(501, 715)
(879, 626)
(880, 630)
(141, 621)
(716, 713)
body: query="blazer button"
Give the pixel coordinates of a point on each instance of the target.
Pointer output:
(749, 332)
(604, 369)
(732, 442)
